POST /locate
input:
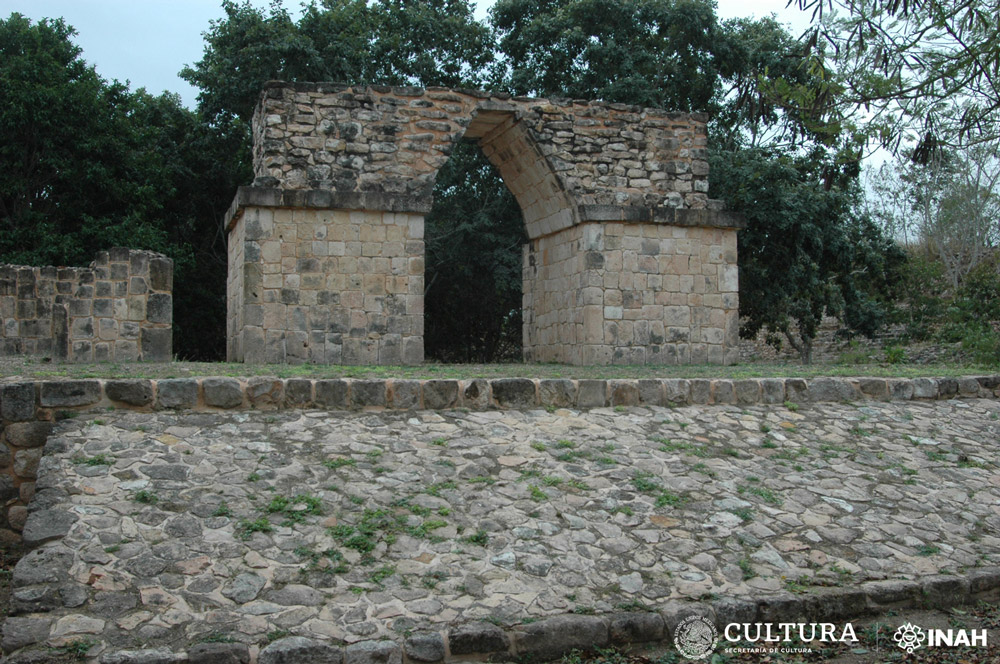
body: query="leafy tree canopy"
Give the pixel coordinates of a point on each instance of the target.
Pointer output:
(924, 71)
(389, 42)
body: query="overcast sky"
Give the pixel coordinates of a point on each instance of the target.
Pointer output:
(147, 42)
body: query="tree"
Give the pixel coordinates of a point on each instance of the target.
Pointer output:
(76, 173)
(474, 235)
(804, 254)
(922, 71)
(387, 42)
(644, 52)
(949, 205)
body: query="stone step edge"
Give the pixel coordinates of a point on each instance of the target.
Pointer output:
(550, 638)
(42, 399)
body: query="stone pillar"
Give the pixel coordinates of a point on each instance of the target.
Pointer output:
(609, 292)
(326, 285)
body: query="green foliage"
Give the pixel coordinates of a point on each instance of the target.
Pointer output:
(804, 253)
(427, 43)
(645, 52)
(145, 497)
(475, 222)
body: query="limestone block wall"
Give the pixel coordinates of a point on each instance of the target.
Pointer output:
(119, 309)
(325, 286)
(618, 293)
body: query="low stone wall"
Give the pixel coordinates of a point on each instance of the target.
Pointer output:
(120, 309)
(28, 409)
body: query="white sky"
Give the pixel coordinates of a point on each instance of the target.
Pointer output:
(147, 42)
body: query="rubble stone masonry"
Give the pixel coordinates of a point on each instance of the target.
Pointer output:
(120, 309)
(628, 259)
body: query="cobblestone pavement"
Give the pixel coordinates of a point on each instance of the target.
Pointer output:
(350, 527)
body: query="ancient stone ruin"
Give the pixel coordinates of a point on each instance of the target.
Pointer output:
(628, 260)
(120, 309)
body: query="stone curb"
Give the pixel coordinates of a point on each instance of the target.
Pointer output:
(42, 400)
(552, 637)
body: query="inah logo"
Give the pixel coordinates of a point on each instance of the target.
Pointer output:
(695, 637)
(908, 637)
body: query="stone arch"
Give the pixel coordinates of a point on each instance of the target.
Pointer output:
(510, 146)
(628, 260)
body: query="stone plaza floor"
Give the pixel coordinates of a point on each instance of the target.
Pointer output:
(348, 527)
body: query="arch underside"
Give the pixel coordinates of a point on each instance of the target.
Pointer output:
(545, 205)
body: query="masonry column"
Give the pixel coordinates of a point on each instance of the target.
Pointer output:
(315, 277)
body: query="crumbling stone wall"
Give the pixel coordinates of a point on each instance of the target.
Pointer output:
(578, 170)
(120, 309)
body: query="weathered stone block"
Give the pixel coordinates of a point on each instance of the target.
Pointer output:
(477, 639)
(177, 393)
(638, 627)
(553, 637)
(373, 652)
(160, 308)
(440, 394)
(404, 394)
(157, 344)
(69, 393)
(772, 390)
(900, 389)
(475, 393)
(332, 394)
(144, 656)
(367, 393)
(943, 591)
(426, 647)
(592, 393)
(700, 390)
(47, 524)
(27, 434)
(874, 388)
(723, 391)
(17, 402)
(947, 388)
(832, 389)
(26, 462)
(265, 392)
(556, 393)
(222, 392)
(513, 392)
(925, 388)
(300, 650)
(968, 387)
(299, 392)
(22, 631)
(218, 653)
(676, 392)
(747, 391)
(651, 392)
(624, 392)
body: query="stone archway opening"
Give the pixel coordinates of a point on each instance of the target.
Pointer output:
(473, 237)
(627, 261)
